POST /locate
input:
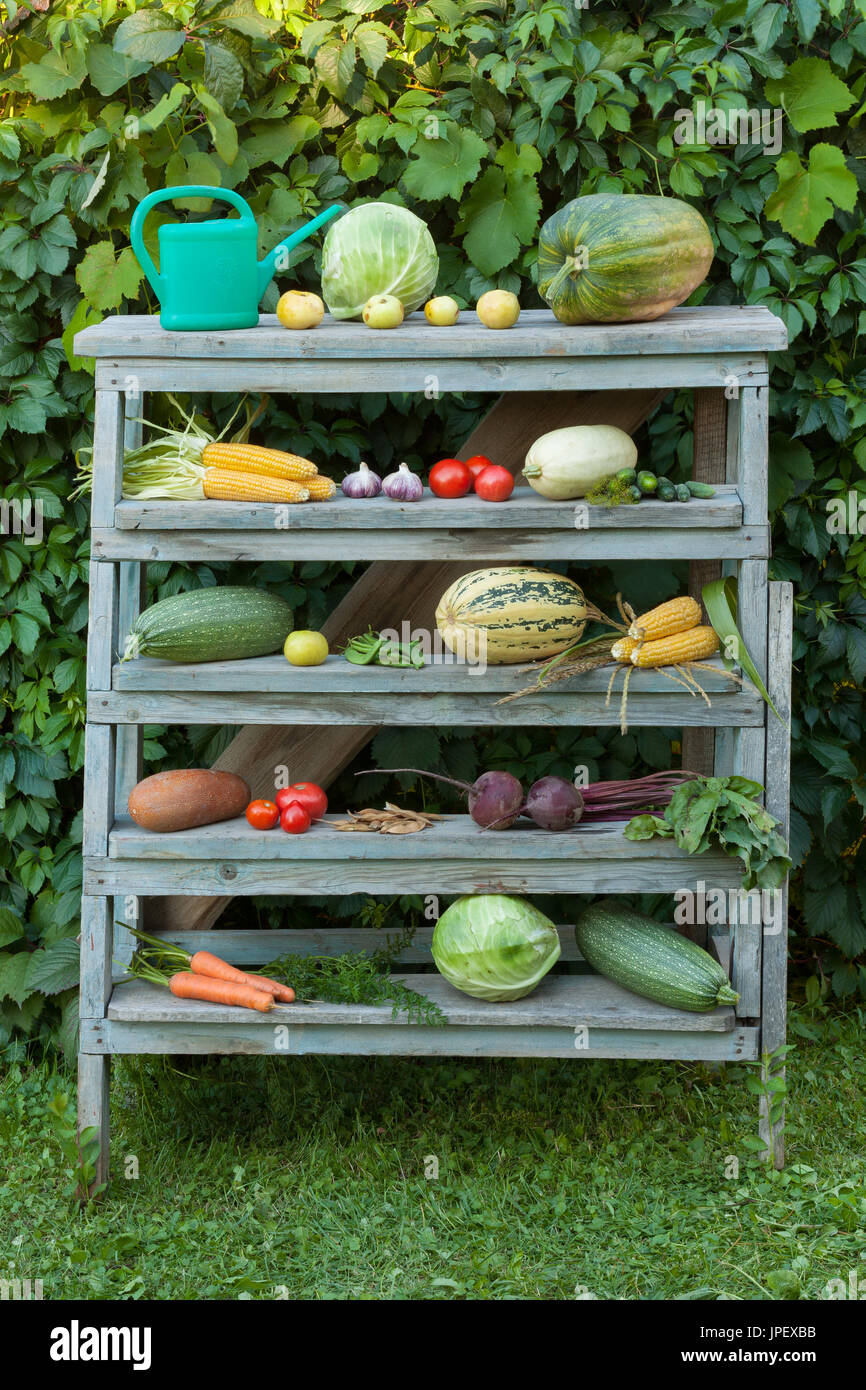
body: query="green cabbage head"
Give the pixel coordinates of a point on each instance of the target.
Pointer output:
(494, 947)
(377, 248)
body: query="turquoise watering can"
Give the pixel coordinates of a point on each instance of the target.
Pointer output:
(209, 277)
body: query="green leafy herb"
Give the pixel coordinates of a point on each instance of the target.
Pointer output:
(353, 978)
(723, 813)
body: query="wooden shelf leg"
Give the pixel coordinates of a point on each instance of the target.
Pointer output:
(128, 763)
(97, 934)
(93, 1069)
(710, 454)
(775, 956)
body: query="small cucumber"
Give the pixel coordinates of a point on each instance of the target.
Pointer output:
(700, 489)
(683, 494)
(646, 481)
(635, 493)
(626, 475)
(666, 491)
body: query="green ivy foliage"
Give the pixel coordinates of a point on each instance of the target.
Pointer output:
(484, 118)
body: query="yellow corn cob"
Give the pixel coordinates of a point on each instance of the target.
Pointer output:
(228, 486)
(677, 615)
(623, 648)
(693, 645)
(250, 458)
(320, 488)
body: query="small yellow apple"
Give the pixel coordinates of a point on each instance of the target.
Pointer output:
(383, 311)
(442, 311)
(300, 309)
(498, 309)
(305, 648)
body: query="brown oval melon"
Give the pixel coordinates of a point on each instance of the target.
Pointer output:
(182, 799)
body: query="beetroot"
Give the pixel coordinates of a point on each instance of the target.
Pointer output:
(554, 804)
(495, 798)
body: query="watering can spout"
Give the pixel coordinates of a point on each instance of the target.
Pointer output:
(278, 258)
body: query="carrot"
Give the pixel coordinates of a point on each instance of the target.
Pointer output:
(205, 963)
(186, 985)
(284, 993)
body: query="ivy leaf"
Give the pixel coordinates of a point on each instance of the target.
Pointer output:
(804, 198)
(165, 107)
(335, 64)
(372, 46)
(856, 653)
(11, 927)
(55, 74)
(13, 976)
(106, 280)
(55, 969)
(443, 164)
(223, 131)
(810, 94)
(223, 74)
(109, 70)
(244, 18)
(150, 36)
(768, 25)
(790, 464)
(24, 414)
(502, 211)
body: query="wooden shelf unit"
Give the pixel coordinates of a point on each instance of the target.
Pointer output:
(570, 1014)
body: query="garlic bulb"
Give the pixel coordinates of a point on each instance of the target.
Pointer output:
(403, 486)
(364, 483)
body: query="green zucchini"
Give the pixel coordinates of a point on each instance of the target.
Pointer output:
(700, 489)
(219, 624)
(651, 960)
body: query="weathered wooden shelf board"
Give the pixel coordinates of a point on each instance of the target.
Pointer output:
(251, 946)
(267, 690)
(524, 511)
(535, 371)
(505, 545)
(569, 1001)
(685, 331)
(453, 856)
(106, 1037)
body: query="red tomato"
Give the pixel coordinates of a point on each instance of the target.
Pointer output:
(308, 795)
(263, 815)
(294, 819)
(494, 484)
(450, 478)
(476, 464)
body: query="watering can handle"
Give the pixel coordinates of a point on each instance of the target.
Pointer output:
(164, 195)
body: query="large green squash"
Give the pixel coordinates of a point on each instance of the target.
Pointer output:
(621, 257)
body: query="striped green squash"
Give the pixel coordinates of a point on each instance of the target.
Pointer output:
(219, 624)
(651, 960)
(621, 257)
(511, 613)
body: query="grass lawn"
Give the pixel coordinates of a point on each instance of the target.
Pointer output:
(305, 1178)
